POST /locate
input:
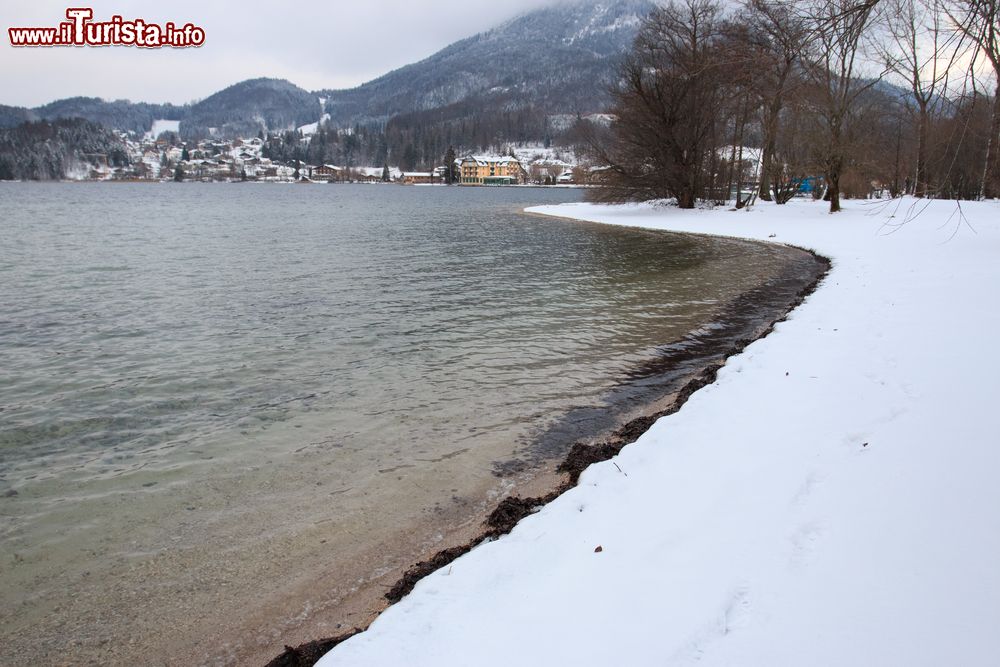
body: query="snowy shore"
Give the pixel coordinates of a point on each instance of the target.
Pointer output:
(832, 499)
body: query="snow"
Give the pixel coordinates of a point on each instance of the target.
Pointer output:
(604, 119)
(538, 154)
(598, 25)
(161, 125)
(376, 172)
(748, 153)
(484, 160)
(831, 500)
(563, 121)
(312, 128)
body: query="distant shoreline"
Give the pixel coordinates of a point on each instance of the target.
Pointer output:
(147, 181)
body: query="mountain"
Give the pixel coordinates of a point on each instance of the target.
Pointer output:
(527, 79)
(242, 109)
(250, 106)
(118, 114)
(14, 116)
(558, 59)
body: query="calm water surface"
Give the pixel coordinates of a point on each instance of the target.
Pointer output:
(212, 395)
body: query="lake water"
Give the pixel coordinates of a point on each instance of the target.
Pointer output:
(227, 411)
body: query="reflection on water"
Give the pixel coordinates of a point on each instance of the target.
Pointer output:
(210, 391)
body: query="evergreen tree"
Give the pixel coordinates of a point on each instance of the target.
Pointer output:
(409, 158)
(185, 156)
(178, 174)
(449, 166)
(385, 173)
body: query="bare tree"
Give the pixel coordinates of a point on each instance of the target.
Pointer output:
(979, 22)
(667, 107)
(739, 51)
(774, 41)
(833, 66)
(793, 152)
(916, 52)
(794, 81)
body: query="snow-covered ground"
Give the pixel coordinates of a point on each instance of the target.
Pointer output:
(833, 499)
(530, 154)
(313, 128)
(160, 126)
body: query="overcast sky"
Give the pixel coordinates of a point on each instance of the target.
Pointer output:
(331, 44)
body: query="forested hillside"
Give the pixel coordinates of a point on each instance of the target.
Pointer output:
(45, 151)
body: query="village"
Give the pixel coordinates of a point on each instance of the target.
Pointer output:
(161, 156)
(165, 158)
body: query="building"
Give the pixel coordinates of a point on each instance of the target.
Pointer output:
(491, 170)
(374, 174)
(418, 177)
(326, 172)
(254, 167)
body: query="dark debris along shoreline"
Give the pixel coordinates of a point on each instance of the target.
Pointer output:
(679, 371)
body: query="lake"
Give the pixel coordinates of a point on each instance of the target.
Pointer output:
(231, 414)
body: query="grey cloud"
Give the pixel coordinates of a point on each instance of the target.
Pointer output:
(315, 45)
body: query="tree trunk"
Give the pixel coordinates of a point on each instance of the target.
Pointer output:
(920, 186)
(991, 179)
(739, 175)
(770, 148)
(895, 172)
(833, 190)
(764, 192)
(732, 164)
(713, 174)
(739, 156)
(685, 200)
(834, 166)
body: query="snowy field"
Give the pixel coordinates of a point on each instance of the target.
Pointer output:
(833, 499)
(160, 126)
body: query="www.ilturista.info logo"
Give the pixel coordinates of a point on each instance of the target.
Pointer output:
(80, 30)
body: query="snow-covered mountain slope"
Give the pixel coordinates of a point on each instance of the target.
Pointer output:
(560, 59)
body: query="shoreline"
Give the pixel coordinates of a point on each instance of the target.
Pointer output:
(827, 500)
(705, 358)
